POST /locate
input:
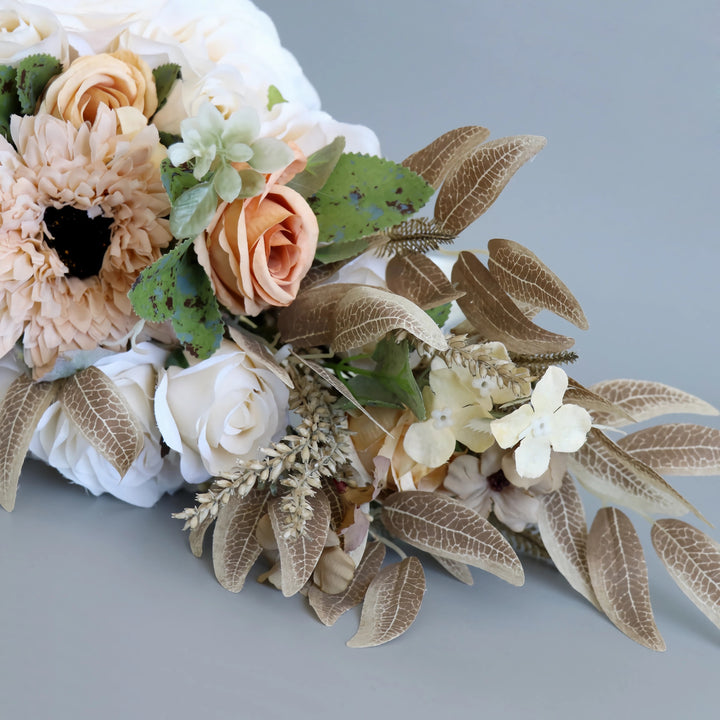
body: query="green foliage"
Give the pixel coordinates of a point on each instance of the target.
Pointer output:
(440, 314)
(33, 74)
(274, 97)
(176, 288)
(175, 180)
(168, 139)
(9, 103)
(363, 195)
(318, 169)
(192, 211)
(165, 78)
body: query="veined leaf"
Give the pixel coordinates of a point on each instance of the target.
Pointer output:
(235, 546)
(595, 404)
(329, 608)
(446, 528)
(196, 535)
(392, 602)
(644, 400)
(523, 276)
(417, 278)
(460, 571)
(619, 577)
(318, 169)
(259, 353)
(676, 448)
(493, 314)
(299, 555)
(474, 185)
(435, 160)
(20, 412)
(101, 414)
(693, 561)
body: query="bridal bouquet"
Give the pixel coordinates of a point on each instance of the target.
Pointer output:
(207, 282)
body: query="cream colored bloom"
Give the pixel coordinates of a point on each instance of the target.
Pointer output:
(542, 425)
(27, 29)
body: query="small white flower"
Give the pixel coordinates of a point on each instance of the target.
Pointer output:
(542, 425)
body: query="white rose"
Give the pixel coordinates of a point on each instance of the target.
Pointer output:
(30, 29)
(219, 410)
(59, 444)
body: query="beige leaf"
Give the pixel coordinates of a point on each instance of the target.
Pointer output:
(235, 546)
(329, 608)
(619, 577)
(435, 160)
(391, 604)
(334, 498)
(595, 404)
(366, 314)
(460, 571)
(417, 278)
(676, 448)
(644, 400)
(309, 320)
(561, 521)
(493, 314)
(21, 410)
(196, 536)
(260, 354)
(617, 477)
(446, 528)
(99, 411)
(299, 554)
(693, 561)
(474, 185)
(522, 275)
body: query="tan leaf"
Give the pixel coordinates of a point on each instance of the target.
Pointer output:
(20, 412)
(474, 185)
(644, 400)
(435, 160)
(392, 602)
(619, 577)
(493, 314)
(561, 522)
(446, 528)
(260, 354)
(693, 561)
(309, 320)
(417, 278)
(595, 404)
(366, 314)
(299, 555)
(523, 276)
(617, 477)
(235, 546)
(676, 448)
(329, 608)
(99, 411)
(196, 536)
(337, 506)
(460, 571)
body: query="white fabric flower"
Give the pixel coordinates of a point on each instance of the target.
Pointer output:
(58, 443)
(28, 30)
(543, 424)
(219, 410)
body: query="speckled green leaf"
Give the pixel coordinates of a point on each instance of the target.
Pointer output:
(9, 103)
(176, 288)
(165, 78)
(175, 180)
(33, 74)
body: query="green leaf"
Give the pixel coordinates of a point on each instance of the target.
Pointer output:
(440, 314)
(176, 288)
(274, 97)
(9, 103)
(193, 210)
(177, 359)
(369, 391)
(165, 78)
(365, 194)
(168, 139)
(340, 251)
(395, 374)
(318, 169)
(175, 180)
(33, 74)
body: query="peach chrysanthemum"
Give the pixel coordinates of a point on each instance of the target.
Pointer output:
(80, 216)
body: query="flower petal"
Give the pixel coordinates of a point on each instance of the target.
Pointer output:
(570, 426)
(507, 430)
(428, 445)
(548, 393)
(532, 458)
(515, 508)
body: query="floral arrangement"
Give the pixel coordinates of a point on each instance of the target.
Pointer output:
(207, 282)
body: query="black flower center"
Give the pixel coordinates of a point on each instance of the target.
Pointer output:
(79, 240)
(497, 481)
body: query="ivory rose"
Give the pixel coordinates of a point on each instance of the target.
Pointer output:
(117, 80)
(257, 251)
(29, 30)
(219, 410)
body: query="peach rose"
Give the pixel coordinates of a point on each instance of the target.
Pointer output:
(257, 251)
(119, 79)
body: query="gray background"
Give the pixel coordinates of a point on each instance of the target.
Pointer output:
(104, 613)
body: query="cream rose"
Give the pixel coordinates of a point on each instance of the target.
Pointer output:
(257, 251)
(219, 410)
(28, 30)
(117, 80)
(58, 443)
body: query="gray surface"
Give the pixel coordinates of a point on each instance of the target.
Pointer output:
(104, 612)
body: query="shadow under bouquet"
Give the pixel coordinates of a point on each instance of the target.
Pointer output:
(207, 282)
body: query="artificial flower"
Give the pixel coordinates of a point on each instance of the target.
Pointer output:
(80, 210)
(28, 30)
(542, 425)
(219, 410)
